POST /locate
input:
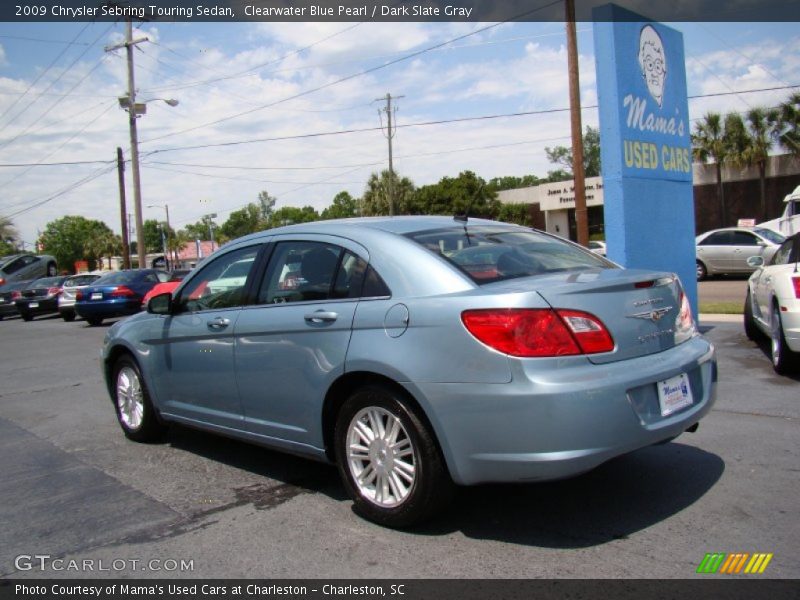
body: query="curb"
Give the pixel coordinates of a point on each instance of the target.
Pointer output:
(715, 318)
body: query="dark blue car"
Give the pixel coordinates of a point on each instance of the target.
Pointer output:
(117, 294)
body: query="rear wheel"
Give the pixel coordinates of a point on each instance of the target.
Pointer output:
(27, 317)
(784, 360)
(68, 316)
(388, 459)
(702, 272)
(750, 328)
(135, 411)
(94, 321)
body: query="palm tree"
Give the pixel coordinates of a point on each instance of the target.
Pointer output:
(788, 124)
(709, 142)
(375, 200)
(750, 144)
(8, 233)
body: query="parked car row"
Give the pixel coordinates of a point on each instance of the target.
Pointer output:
(92, 296)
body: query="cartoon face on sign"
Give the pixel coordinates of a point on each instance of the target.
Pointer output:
(653, 62)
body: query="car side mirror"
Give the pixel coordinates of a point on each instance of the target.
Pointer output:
(161, 304)
(761, 243)
(755, 261)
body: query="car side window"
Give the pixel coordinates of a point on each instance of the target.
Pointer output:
(301, 272)
(215, 287)
(162, 276)
(14, 266)
(721, 238)
(742, 238)
(781, 257)
(151, 278)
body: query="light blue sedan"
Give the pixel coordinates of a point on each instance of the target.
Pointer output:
(396, 350)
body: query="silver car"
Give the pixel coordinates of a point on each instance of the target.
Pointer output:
(726, 251)
(394, 349)
(22, 267)
(66, 301)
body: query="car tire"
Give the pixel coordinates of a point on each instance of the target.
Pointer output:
(94, 321)
(52, 271)
(702, 271)
(784, 361)
(68, 316)
(135, 412)
(26, 316)
(750, 329)
(406, 477)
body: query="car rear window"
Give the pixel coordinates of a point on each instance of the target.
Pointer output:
(118, 277)
(488, 254)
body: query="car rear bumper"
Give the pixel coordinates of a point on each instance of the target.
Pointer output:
(790, 320)
(45, 306)
(554, 423)
(107, 309)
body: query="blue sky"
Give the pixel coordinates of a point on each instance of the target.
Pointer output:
(224, 74)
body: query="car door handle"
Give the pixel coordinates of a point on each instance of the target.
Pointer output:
(218, 323)
(321, 316)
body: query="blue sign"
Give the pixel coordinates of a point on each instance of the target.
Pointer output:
(645, 144)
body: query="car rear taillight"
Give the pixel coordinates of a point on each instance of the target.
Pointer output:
(53, 291)
(796, 284)
(15, 294)
(122, 291)
(538, 332)
(2, 281)
(78, 295)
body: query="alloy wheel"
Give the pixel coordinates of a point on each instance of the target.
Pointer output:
(130, 398)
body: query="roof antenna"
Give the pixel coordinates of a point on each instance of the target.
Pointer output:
(464, 218)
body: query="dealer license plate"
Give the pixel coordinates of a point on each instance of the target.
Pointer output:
(97, 296)
(33, 305)
(674, 394)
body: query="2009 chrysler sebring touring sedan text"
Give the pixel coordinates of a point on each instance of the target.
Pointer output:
(416, 352)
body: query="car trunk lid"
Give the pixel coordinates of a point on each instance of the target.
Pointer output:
(641, 309)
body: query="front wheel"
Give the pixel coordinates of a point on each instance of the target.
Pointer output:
(51, 270)
(27, 317)
(702, 272)
(135, 411)
(784, 361)
(388, 459)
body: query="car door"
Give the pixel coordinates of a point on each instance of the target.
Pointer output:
(714, 251)
(780, 266)
(197, 379)
(292, 343)
(744, 245)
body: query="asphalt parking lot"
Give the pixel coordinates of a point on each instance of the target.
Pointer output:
(72, 487)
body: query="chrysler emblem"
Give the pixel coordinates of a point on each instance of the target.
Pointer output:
(654, 315)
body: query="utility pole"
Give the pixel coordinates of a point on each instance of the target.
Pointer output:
(126, 249)
(389, 135)
(581, 213)
(131, 107)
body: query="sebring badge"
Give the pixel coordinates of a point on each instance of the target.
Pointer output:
(654, 315)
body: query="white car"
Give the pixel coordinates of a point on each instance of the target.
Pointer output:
(597, 247)
(772, 306)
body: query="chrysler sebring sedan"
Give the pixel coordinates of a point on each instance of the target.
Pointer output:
(416, 353)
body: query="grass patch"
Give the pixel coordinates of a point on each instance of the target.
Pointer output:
(721, 308)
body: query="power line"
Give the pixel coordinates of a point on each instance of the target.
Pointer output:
(196, 174)
(349, 77)
(30, 39)
(56, 164)
(43, 73)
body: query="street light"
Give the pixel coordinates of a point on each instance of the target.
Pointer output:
(211, 216)
(134, 109)
(166, 209)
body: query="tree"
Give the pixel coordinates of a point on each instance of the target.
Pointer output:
(512, 182)
(710, 142)
(289, 215)
(562, 155)
(152, 235)
(515, 213)
(8, 237)
(788, 124)
(375, 200)
(74, 238)
(750, 143)
(266, 204)
(342, 207)
(243, 221)
(466, 194)
(200, 230)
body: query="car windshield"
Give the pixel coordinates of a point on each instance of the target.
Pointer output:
(772, 236)
(488, 254)
(7, 259)
(79, 280)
